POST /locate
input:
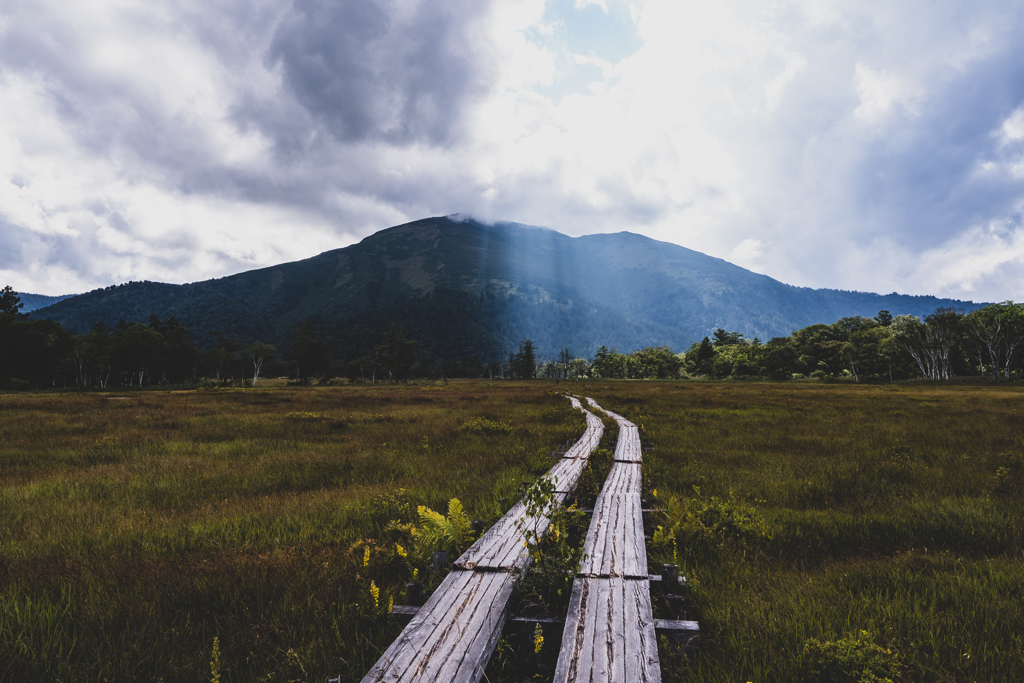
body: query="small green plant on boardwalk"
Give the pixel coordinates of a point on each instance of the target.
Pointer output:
(556, 550)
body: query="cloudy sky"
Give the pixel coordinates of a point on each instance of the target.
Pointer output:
(870, 145)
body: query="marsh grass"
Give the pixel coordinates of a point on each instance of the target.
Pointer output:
(135, 528)
(887, 509)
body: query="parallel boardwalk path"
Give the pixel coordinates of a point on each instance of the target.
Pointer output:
(610, 630)
(452, 636)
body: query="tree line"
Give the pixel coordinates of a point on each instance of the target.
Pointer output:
(949, 343)
(946, 344)
(38, 354)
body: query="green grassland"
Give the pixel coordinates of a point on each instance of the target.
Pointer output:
(827, 510)
(135, 528)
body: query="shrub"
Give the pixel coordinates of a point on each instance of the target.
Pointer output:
(851, 660)
(700, 522)
(316, 418)
(481, 425)
(1009, 476)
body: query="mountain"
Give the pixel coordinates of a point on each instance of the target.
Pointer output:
(462, 287)
(33, 302)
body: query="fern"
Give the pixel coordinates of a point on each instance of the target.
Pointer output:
(461, 526)
(453, 532)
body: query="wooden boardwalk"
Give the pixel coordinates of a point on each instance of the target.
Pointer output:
(452, 636)
(502, 548)
(610, 629)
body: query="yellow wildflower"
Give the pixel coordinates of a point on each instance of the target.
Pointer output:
(375, 592)
(401, 550)
(391, 604)
(366, 557)
(415, 573)
(538, 638)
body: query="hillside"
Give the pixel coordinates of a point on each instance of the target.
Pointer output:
(461, 287)
(33, 302)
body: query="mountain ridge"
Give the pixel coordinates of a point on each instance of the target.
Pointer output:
(464, 287)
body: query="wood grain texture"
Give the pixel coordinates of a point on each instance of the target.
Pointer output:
(615, 540)
(453, 634)
(609, 633)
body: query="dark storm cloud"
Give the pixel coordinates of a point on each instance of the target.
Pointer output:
(372, 71)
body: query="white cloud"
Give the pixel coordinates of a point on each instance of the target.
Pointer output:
(747, 254)
(1012, 129)
(878, 91)
(984, 254)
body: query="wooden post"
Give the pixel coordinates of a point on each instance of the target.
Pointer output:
(478, 527)
(440, 560)
(670, 578)
(414, 594)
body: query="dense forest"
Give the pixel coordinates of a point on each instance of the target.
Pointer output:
(948, 343)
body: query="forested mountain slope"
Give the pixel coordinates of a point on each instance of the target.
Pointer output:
(32, 302)
(461, 287)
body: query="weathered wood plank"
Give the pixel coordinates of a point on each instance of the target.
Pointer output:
(609, 633)
(399, 657)
(677, 625)
(614, 544)
(643, 653)
(471, 639)
(599, 629)
(453, 637)
(576, 657)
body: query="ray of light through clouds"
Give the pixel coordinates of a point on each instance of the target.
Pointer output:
(861, 145)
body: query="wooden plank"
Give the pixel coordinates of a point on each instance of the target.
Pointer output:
(642, 650)
(676, 625)
(616, 630)
(609, 633)
(624, 477)
(401, 655)
(455, 638)
(599, 629)
(614, 544)
(471, 639)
